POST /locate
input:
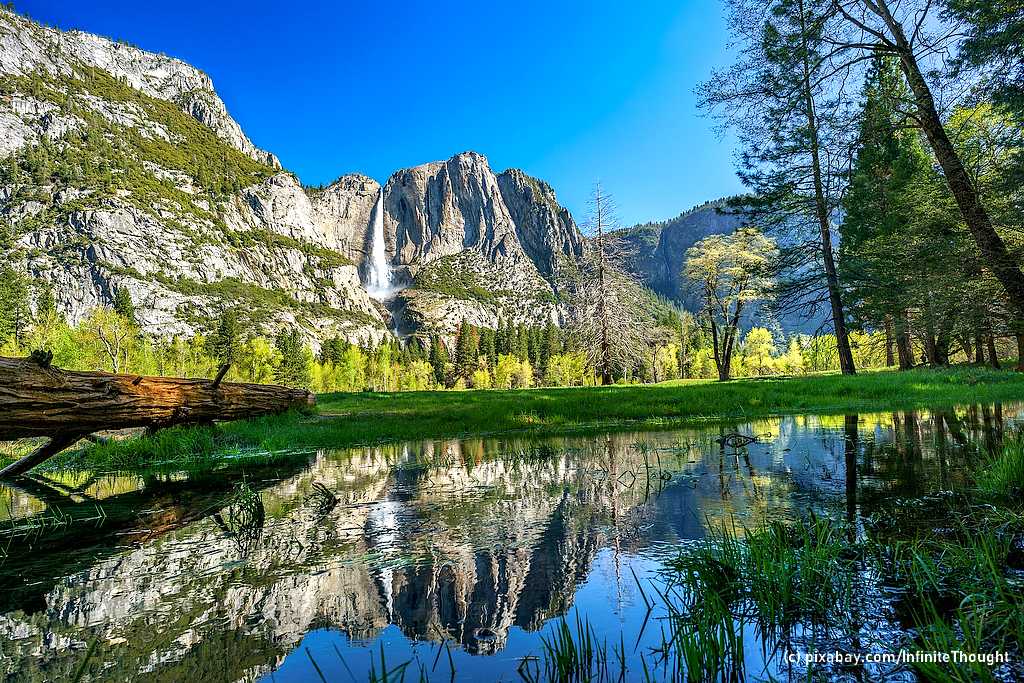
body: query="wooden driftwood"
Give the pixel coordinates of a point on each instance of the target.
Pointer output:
(64, 405)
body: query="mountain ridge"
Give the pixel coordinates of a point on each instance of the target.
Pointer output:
(124, 170)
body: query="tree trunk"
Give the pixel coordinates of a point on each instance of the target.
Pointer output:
(968, 199)
(979, 350)
(890, 358)
(824, 222)
(993, 355)
(904, 350)
(1020, 353)
(36, 400)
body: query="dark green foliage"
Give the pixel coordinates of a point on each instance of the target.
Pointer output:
(123, 304)
(228, 337)
(551, 345)
(439, 360)
(15, 313)
(994, 30)
(466, 351)
(293, 369)
(488, 349)
(332, 350)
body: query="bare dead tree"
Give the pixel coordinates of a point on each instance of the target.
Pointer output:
(608, 317)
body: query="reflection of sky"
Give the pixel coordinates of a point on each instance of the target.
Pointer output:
(478, 542)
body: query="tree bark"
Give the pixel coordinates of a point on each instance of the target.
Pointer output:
(1020, 353)
(61, 404)
(904, 350)
(890, 358)
(993, 355)
(824, 220)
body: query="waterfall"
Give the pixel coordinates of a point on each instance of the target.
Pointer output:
(378, 276)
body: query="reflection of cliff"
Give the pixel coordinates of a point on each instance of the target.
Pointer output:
(447, 540)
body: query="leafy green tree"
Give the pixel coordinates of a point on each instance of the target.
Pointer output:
(879, 207)
(918, 34)
(123, 304)
(730, 272)
(112, 335)
(793, 130)
(294, 360)
(15, 313)
(439, 360)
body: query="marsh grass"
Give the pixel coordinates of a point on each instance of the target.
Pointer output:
(1003, 475)
(957, 566)
(780, 579)
(367, 418)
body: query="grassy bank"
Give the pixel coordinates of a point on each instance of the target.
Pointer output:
(364, 418)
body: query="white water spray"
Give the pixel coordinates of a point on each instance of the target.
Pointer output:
(378, 280)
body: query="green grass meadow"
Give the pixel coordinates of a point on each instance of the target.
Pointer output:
(351, 419)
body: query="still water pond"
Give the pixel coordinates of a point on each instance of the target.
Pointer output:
(457, 557)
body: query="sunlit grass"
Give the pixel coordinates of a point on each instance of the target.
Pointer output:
(343, 420)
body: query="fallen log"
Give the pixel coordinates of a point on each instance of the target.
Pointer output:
(65, 405)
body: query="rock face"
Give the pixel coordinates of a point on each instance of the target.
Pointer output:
(183, 211)
(474, 244)
(27, 47)
(656, 252)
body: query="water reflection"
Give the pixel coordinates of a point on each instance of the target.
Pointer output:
(477, 543)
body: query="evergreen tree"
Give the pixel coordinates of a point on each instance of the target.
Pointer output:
(14, 304)
(228, 337)
(551, 345)
(439, 360)
(45, 304)
(792, 129)
(465, 351)
(522, 342)
(293, 366)
(879, 208)
(488, 349)
(502, 342)
(333, 350)
(123, 304)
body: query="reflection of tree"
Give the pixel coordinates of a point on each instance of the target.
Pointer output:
(459, 541)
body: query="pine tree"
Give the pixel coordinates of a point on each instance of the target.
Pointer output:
(879, 208)
(522, 342)
(465, 351)
(227, 338)
(439, 360)
(792, 129)
(551, 346)
(14, 304)
(488, 349)
(123, 304)
(333, 350)
(293, 367)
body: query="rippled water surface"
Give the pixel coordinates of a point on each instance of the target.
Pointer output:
(440, 554)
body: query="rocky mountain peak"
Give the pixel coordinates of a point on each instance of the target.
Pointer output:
(27, 47)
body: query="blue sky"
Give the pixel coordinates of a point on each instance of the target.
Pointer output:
(569, 92)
